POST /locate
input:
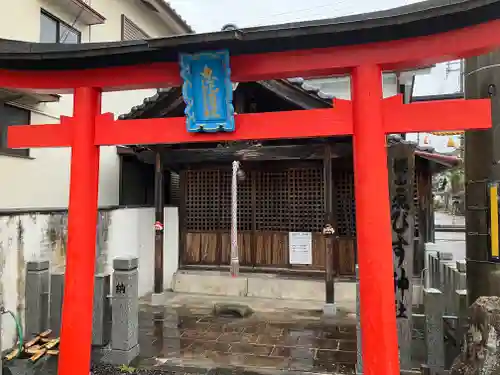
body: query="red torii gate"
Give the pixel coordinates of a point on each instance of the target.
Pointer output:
(368, 118)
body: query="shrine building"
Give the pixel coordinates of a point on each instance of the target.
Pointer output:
(282, 191)
(301, 158)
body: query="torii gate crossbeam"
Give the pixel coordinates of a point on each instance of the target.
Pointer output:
(368, 118)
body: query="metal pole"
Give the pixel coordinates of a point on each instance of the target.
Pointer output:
(235, 263)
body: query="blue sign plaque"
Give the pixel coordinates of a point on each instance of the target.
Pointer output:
(207, 91)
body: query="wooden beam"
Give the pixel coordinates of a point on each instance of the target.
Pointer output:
(399, 54)
(444, 115)
(109, 79)
(254, 126)
(29, 136)
(405, 53)
(256, 153)
(398, 118)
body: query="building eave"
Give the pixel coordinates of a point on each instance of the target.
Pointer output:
(169, 15)
(80, 9)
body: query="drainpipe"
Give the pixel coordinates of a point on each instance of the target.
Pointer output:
(235, 262)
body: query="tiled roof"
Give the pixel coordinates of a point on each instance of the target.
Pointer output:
(148, 103)
(161, 94)
(427, 152)
(303, 84)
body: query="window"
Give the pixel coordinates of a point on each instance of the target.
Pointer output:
(53, 30)
(12, 116)
(130, 31)
(137, 184)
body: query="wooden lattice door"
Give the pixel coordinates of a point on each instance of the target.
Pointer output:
(271, 218)
(272, 202)
(201, 216)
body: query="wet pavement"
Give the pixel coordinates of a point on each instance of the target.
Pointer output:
(257, 342)
(182, 341)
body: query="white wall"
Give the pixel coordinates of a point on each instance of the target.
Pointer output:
(40, 236)
(42, 181)
(340, 87)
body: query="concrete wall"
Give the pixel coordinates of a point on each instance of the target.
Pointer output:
(42, 181)
(35, 236)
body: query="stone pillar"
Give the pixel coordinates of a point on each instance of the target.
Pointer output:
(401, 165)
(125, 313)
(56, 301)
(434, 330)
(462, 311)
(37, 297)
(462, 277)
(444, 258)
(101, 327)
(101, 322)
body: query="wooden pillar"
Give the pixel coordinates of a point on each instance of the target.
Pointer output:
(329, 228)
(378, 321)
(401, 165)
(159, 223)
(76, 331)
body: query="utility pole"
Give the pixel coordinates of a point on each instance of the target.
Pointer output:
(482, 166)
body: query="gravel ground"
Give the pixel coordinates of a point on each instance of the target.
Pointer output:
(102, 369)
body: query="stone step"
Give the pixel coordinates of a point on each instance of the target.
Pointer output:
(264, 286)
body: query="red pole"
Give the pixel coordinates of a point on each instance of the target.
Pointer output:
(76, 330)
(378, 312)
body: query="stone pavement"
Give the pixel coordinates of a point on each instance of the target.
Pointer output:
(189, 341)
(273, 343)
(297, 308)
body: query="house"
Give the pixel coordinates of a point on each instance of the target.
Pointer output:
(283, 190)
(39, 178)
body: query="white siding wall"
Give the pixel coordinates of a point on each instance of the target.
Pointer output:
(43, 181)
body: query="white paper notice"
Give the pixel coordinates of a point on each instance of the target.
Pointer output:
(300, 247)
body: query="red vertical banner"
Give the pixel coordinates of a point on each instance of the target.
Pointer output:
(378, 319)
(76, 330)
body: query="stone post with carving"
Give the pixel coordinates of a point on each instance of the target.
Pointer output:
(124, 347)
(401, 165)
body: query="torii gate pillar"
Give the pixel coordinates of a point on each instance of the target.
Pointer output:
(372, 223)
(82, 222)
